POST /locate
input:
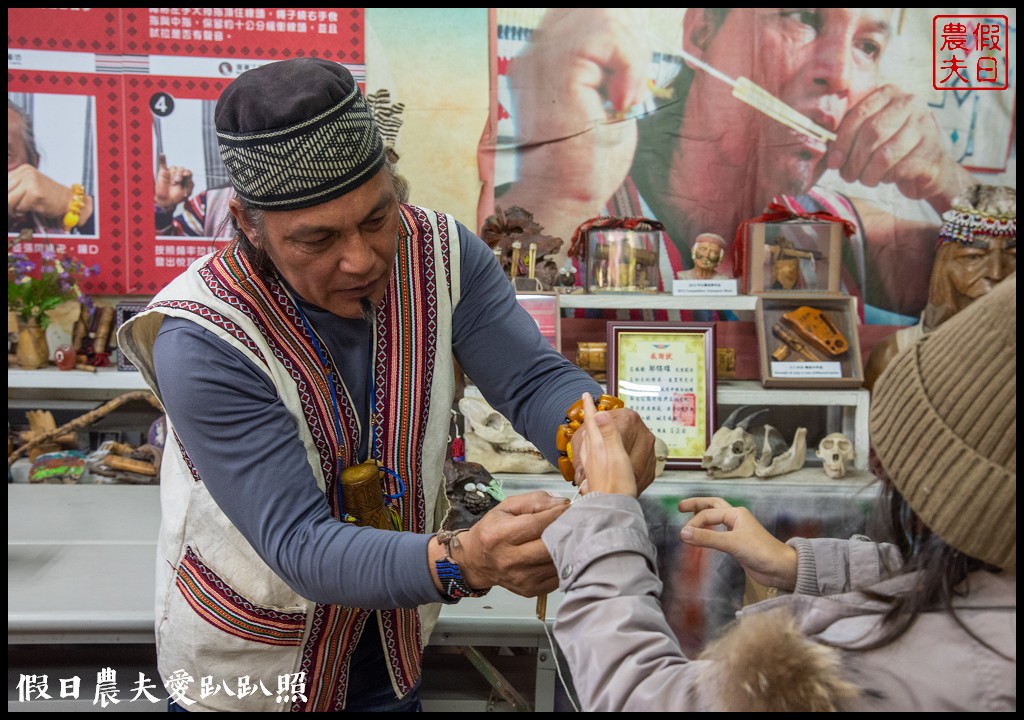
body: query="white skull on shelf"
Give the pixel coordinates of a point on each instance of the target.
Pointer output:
(835, 451)
(493, 442)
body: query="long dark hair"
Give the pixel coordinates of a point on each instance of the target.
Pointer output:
(943, 571)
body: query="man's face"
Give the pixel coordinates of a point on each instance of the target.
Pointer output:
(819, 61)
(338, 253)
(17, 153)
(977, 268)
(706, 255)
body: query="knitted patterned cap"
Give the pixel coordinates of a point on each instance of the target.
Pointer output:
(943, 423)
(297, 133)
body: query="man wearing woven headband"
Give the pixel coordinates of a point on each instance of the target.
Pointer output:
(319, 344)
(924, 623)
(708, 251)
(977, 250)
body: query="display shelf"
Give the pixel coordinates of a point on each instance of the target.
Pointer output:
(852, 403)
(108, 378)
(657, 301)
(68, 389)
(806, 481)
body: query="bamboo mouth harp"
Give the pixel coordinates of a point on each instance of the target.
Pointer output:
(749, 92)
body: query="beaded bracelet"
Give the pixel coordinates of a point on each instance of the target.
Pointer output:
(573, 419)
(452, 583)
(72, 216)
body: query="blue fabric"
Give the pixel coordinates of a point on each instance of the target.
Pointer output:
(369, 689)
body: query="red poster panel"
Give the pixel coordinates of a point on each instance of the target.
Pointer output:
(76, 136)
(68, 106)
(172, 118)
(88, 30)
(108, 93)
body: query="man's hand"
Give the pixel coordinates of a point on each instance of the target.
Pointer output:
(581, 73)
(892, 137)
(504, 547)
(764, 558)
(173, 185)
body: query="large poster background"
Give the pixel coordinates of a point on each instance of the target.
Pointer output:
(584, 99)
(458, 122)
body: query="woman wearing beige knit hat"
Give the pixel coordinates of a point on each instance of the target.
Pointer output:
(926, 622)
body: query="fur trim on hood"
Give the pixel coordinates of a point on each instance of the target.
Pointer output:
(764, 663)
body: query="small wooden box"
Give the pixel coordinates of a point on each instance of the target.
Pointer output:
(623, 261)
(808, 340)
(793, 256)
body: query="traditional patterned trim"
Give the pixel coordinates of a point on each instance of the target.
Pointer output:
(218, 604)
(406, 347)
(326, 656)
(230, 277)
(184, 456)
(214, 317)
(961, 223)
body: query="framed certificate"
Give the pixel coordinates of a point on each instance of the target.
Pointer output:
(666, 372)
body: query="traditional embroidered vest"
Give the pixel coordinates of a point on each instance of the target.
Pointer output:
(224, 618)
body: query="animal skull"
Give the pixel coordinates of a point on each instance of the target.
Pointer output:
(835, 451)
(493, 442)
(733, 450)
(792, 459)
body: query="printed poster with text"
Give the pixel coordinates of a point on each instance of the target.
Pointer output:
(112, 96)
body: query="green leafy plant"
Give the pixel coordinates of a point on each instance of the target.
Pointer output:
(32, 290)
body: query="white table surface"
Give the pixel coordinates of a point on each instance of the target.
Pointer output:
(81, 569)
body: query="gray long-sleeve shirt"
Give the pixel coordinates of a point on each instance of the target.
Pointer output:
(625, 657)
(256, 469)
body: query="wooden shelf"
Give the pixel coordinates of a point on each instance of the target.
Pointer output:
(657, 301)
(53, 379)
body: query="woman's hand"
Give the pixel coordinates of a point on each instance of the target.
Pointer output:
(601, 455)
(764, 558)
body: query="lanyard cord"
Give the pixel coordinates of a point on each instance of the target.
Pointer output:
(372, 449)
(337, 414)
